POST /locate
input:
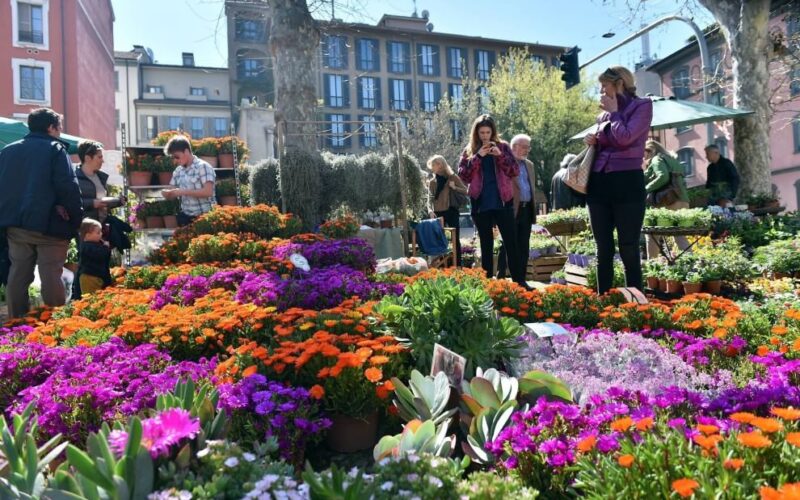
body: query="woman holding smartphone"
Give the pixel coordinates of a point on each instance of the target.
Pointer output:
(488, 166)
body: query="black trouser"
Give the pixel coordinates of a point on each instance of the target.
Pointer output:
(616, 200)
(184, 219)
(503, 218)
(451, 219)
(525, 217)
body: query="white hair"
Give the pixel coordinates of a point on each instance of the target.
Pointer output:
(520, 137)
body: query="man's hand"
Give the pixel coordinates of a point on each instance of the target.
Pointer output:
(169, 194)
(99, 204)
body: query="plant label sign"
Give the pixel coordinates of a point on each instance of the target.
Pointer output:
(452, 364)
(299, 262)
(633, 295)
(546, 330)
(539, 229)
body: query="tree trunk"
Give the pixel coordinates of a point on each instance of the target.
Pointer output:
(294, 41)
(745, 24)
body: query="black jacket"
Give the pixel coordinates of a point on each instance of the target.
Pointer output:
(89, 192)
(35, 176)
(723, 179)
(95, 260)
(563, 196)
(118, 233)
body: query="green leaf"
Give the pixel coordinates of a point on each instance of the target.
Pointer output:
(87, 468)
(134, 437)
(484, 393)
(51, 494)
(144, 476)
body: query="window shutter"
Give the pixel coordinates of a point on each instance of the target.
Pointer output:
(348, 143)
(323, 47)
(391, 93)
(326, 89)
(437, 93)
(360, 43)
(342, 41)
(436, 68)
(388, 56)
(375, 48)
(421, 92)
(406, 57)
(449, 62)
(409, 94)
(492, 60)
(346, 90)
(419, 60)
(377, 92)
(360, 92)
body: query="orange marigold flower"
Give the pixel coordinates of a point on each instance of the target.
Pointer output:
(250, 371)
(762, 350)
(733, 463)
(379, 360)
(644, 424)
(626, 460)
(785, 492)
(768, 425)
(685, 487)
(786, 413)
(707, 442)
(780, 330)
(316, 391)
(587, 444)
(373, 374)
(742, 417)
(793, 438)
(622, 424)
(754, 440)
(707, 429)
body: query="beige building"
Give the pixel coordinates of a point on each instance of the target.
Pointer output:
(152, 98)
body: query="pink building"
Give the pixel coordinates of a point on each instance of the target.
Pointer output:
(60, 54)
(681, 76)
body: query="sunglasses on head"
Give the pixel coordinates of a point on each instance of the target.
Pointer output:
(611, 74)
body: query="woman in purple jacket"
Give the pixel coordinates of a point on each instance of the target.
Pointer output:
(616, 193)
(488, 166)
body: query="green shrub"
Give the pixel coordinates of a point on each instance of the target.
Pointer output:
(487, 485)
(300, 175)
(264, 187)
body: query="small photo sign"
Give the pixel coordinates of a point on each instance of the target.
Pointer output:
(546, 330)
(299, 262)
(633, 295)
(452, 364)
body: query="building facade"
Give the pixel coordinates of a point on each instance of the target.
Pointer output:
(681, 76)
(152, 98)
(60, 55)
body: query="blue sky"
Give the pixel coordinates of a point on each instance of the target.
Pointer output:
(170, 27)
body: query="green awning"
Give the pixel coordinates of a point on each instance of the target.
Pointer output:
(672, 113)
(14, 130)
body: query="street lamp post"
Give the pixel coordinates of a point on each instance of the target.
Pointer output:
(705, 59)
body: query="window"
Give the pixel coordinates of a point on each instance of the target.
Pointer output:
(334, 51)
(429, 95)
(336, 91)
(154, 89)
(188, 59)
(483, 92)
(456, 130)
(249, 67)
(174, 123)
(794, 82)
(31, 83)
(722, 144)
(398, 57)
(220, 127)
(717, 96)
(152, 127)
(537, 60)
(400, 94)
(715, 64)
(456, 91)
(116, 119)
(484, 60)
(428, 60)
(680, 84)
(367, 55)
(456, 58)
(369, 92)
(250, 30)
(796, 134)
(680, 130)
(797, 191)
(403, 123)
(30, 23)
(369, 131)
(116, 81)
(197, 91)
(197, 128)
(337, 136)
(686, 157)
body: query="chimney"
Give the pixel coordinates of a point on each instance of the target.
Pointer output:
(188, 59)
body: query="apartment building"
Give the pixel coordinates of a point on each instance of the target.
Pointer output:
(59, 55)
(152, 97)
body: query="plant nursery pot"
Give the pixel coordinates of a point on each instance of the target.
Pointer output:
(534, 253)
(652, 282)
(211, 160)
(139, 178)
(713, 287)
(225, 160)
(72, 266)
(662, 284)
(686, 223)
(572, 258)
(164, 178)
(662, 222)
(691, 287)
(348, 434)
(155, 221)
(674, 286)
(170, 221)
(227, 200)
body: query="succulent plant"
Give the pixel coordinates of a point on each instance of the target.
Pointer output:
(425, 398)
(486, 427)
(417, 438)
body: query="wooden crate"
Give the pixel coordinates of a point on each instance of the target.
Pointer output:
(541, 268)
(576, 275)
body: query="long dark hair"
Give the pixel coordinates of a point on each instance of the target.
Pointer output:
(474, 141)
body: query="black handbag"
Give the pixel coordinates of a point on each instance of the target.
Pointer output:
(457, 199)
(667, 195)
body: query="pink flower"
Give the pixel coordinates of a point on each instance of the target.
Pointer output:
(160, 432)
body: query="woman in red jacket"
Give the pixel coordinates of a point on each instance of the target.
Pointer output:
(488, 166)
(616, 192)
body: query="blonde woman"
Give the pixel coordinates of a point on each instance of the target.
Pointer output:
(616, 195)
(662, 165)
(442, 205)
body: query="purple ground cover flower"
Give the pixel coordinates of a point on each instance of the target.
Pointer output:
(159, 433)
(353, 252)
(186, 289)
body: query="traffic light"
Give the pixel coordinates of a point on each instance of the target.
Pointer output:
(570, 68)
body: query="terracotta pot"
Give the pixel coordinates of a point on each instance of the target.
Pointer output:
(227, 200)
(139, 178)
(691, 287)
(170, 221)
(211, 160)
(779, 276)
(164, 178)
(652, 282)
(348, 434)
(72, 266)
(225, 160)
(714, 287)
(140, 224)
(155, 221)
(673, 286)
(772, 204)
(662, 284)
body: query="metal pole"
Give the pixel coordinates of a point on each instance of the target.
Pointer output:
(281, 130)
(704, 56)
(124, 140)
(401, 176)
(235, 149)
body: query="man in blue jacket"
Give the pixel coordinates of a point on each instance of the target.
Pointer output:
(40, 208)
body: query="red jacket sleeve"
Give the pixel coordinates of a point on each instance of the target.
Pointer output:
(506, 161)
(619, 131)
(468, 165)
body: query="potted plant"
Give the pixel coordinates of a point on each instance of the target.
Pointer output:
(169, 212)
(666, 218)
(226, 192)
(163, 137)
(72, 256)
(140, 170)
(650, 217)
(206, 149)
(692, 283)
(674, 281)
(163, 166)
(698, 196)
(225, 151)
(652, 270)
(152, 214)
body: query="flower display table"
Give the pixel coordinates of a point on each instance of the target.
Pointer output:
(660, 234)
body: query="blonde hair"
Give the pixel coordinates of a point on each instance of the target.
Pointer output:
(658, 148)
(622, 74)
(87, 225)
(439, 159)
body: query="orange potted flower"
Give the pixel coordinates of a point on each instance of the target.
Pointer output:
(206, 149)
(140, 170)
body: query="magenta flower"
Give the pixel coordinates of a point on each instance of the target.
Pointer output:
(160, 432)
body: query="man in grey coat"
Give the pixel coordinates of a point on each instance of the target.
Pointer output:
(561, 195)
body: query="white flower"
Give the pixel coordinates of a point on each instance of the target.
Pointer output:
(413, 477)
(435, 481)
(249, 457)
(205, 451)
(231, 462)
(388, 485)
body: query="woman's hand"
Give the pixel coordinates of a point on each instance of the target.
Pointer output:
(608, 103)
(452, 184)
(495, 151)
(590, 139)
(485, 149)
